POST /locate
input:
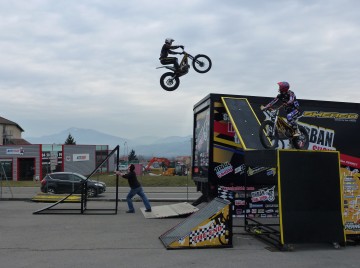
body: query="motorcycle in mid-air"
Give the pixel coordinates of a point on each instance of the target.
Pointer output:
(277, 129)
(170, 80)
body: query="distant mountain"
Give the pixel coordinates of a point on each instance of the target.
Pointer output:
(164, 149)
(146, 146)
(81, 136)
(145, 140)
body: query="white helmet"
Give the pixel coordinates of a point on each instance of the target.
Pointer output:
(169, 41)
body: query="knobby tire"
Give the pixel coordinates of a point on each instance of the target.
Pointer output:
(167, 84)
(203, 59)
(268, 142)
(301, 142)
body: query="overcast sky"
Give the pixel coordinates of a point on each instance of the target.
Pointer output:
(91, 63)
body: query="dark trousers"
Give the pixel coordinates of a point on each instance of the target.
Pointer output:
(140, 192)
(170, 60)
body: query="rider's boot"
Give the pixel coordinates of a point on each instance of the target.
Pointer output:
(297, 132)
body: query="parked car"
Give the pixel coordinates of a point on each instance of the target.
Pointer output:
(123, 168)
(69, 182)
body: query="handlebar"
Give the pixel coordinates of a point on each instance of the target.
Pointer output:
(270, 111)
(262, 107)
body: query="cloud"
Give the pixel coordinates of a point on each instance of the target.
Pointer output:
(92, 63)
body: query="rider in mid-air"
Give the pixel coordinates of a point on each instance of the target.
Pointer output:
(166, 50)
(291, 105)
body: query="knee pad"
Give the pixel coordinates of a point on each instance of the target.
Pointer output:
(289, 118)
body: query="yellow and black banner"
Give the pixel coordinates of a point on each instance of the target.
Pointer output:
(209, 227)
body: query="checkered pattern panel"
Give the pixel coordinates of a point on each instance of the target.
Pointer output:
(226, 194)
(207, 233)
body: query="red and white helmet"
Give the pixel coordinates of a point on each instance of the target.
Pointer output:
(283, 87)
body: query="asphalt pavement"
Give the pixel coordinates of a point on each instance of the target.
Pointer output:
(131, 240)
(154, 194)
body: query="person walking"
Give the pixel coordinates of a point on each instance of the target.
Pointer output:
(135, 189)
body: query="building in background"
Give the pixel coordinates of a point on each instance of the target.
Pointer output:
(34, 161)
(22, 161)
(11, 133)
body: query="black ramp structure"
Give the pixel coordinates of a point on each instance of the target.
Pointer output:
(244, 121)
(310, 197)
(309, 194)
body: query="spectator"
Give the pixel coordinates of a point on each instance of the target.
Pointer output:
(135, 189)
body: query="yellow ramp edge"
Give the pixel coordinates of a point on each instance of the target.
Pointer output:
(52, 198)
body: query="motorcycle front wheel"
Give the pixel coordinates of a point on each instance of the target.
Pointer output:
(268, 140)
(201, 63)
(301, 142)
(169, 82)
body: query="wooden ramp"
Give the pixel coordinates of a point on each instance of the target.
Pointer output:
(168, 211)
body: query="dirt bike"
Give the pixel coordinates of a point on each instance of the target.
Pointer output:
(277, 129)
(170, 80)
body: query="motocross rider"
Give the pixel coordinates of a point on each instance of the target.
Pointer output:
(290, 104)
(166, 50)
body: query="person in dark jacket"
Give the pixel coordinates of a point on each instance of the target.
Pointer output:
(167, 49)
(135, 188)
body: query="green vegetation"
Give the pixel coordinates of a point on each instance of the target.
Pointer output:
(149, 181)
(110, 180)
(70, 140)
(19, 183)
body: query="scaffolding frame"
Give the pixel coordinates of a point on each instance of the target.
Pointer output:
(84, 196)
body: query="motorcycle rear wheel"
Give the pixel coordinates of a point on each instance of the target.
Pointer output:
(266, 139)
(201, 63)
(169, 82)
(301, 142)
